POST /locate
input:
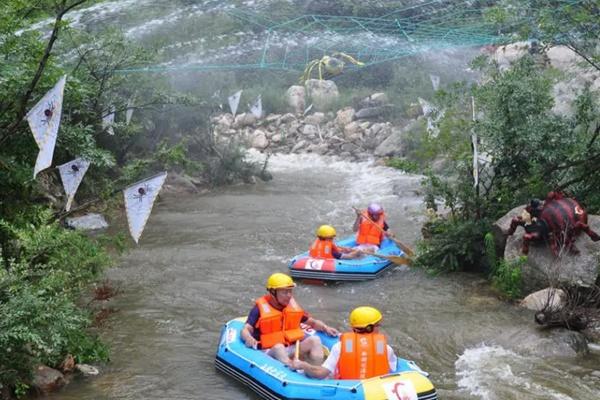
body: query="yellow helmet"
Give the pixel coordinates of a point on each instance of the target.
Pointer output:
(361, 317)
(280, 281)
(326, 231)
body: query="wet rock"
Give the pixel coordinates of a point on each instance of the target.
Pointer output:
(87, 370)
(352, 131)
(315, 119)
(296, 99)
(298, 146)
(47, 380)
(310, 131)
(88, 222)
(277, 138)
(259, 140)
(374, 100)
(546, 299)
(180, 183)
(322, 92)
(370, 112)
(394, 145)
(287, 118)
(243, 120)
(320, 148)
(344, 116)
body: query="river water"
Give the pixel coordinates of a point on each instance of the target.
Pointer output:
(203, 260)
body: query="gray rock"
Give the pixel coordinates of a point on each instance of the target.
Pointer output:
(47, 380)
(322, 92)
(88, 222)
(374, 100)
(344, 116)
(315, 119)
(276, 138)
(393, 146)
(545, 299)
(87, 370)
(296, 99)
(287, 118)
(352, 131)
(370, 112)
(298, 146)
(243, 120)
(310, 131)
(259, 140)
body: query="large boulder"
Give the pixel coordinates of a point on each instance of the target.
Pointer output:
(374, 100)
(243, 120)
(47, 380)
(259, 140)
(296, 99)
(542, 268)
(394, 145)
(322, 92)
(546, 299)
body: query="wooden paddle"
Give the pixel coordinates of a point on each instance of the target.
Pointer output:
(409, 252)
(398, 260)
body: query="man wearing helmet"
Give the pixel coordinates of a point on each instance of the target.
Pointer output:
(360, 354)
(324, 246)
(273, 324)
(370, 227)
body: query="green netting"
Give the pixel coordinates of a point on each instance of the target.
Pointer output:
(425, 28)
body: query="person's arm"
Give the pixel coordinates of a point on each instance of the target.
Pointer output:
(356, 222)
(312, 371)
(321, 326)
(247, 337)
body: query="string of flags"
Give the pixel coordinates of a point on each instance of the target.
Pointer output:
(234, 101)
(44, 122)
(256, 107)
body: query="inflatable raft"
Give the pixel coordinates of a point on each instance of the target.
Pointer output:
(367, 267)
(272, 380)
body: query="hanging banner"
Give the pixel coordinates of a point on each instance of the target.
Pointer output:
(44, 117)
(71, 175)
(234, 101)
(256, 108)
(139, 199)
(129, 111)
(108, 121)
(435, 81)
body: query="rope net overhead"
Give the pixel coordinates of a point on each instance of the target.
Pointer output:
(424, 28)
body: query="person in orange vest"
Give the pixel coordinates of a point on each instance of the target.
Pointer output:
(360, 354)
(370, 225)
(273, 324)
(324, 247)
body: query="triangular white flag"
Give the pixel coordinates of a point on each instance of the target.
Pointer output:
(108, 121)
(256, 108)
(129, 111)
(71, 175)
(139, 199)
(435, 81)
(44, 117)
(234, 101)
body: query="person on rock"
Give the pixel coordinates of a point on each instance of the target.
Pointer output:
(362, 353)
(273, 324)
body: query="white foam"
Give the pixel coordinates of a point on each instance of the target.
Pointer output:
(491, 372)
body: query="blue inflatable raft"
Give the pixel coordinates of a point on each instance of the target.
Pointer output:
(367, 267)
(272, 380)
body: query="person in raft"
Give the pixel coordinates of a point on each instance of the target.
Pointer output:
(324, 247)
(370, 227)
(273, 324)
(360, 354)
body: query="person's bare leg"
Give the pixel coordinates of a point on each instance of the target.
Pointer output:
(312, 350)
(280, 352)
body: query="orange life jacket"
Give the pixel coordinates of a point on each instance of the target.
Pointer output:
(362, 356)
(322, 248)
(370, 232)
(279, 326)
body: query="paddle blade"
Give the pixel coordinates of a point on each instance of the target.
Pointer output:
(297, 353)
(400, 260)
